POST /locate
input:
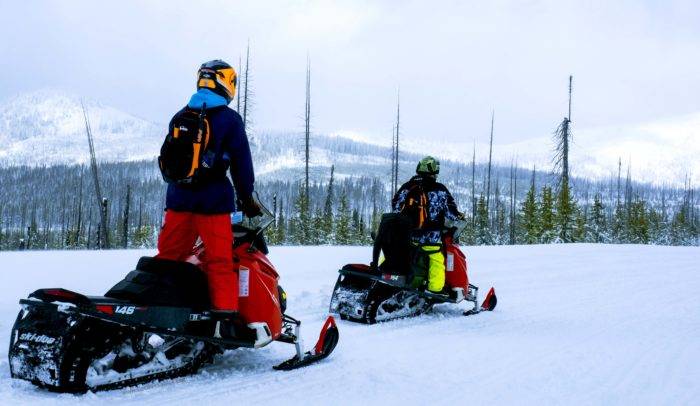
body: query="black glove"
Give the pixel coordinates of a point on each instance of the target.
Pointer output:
(250, 207)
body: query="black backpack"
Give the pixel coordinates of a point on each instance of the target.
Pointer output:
(186, 157)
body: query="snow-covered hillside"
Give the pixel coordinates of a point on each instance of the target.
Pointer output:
(661, 151)
(575, 324)
(46, 127)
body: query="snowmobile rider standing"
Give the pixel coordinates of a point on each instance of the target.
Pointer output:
(207, 139)
(429, 203)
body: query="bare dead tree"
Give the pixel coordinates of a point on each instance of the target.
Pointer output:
(513, 196)
(238, 92)
(125, 224)
(101, 202)
(246, 82)
(619, 174)
(562, 137)
(396, 143)
(393, 159)
(565, 205)
(78, 227)
(307, 128)
(474, 185)
(488, 176)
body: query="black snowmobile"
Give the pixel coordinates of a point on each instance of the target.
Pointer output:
(397, 287)
(154, 324)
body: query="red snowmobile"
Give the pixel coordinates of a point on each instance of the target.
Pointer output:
(397, 287)
(154, 324)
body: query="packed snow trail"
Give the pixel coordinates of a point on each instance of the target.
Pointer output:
(575, 324)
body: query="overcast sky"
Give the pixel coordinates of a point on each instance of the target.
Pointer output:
(454, 61)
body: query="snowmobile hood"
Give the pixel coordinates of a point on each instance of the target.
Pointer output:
(206, 96)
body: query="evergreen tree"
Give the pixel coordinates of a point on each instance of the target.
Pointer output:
(317, 236)
(656, 226)
(483, 232)
(680, 228)
(565, 213)
(638, 223)
(327, 224)
(142, 237)
(530, 217)
(619, 224)
(597, 226)
(302, 220)
(579, 232)
(343, 234)
(501, 230)
(357, 228)
(547, 232)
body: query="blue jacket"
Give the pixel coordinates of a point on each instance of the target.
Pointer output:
(228, 138)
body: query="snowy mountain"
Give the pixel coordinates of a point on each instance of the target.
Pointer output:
(46, 127)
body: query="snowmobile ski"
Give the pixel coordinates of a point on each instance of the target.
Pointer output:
(327, 340)
(487, 305)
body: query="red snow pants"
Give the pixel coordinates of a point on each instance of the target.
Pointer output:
(178, 236)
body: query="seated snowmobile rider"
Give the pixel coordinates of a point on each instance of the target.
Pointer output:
(199, 203)
(428, 203)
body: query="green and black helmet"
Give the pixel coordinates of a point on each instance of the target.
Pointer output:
(428, 166)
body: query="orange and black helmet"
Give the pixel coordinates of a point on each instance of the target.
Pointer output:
(219, 77)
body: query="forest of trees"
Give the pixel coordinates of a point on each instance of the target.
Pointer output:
(63, 207)
(55, 208)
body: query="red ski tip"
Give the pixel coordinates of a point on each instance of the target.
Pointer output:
(328, 337)
(490, 300)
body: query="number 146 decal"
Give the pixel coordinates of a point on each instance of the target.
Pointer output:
(125, 309)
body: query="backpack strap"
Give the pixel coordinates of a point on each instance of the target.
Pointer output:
(202, 138)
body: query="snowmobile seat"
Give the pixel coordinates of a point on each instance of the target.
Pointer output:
(361, 268)
(394, 240)
(162, 282)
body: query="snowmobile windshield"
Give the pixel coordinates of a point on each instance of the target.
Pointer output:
(257, 224)
(455, 228)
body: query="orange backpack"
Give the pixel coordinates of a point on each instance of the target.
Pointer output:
(415, 205)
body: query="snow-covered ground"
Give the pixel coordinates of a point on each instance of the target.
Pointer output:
(575, 324)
